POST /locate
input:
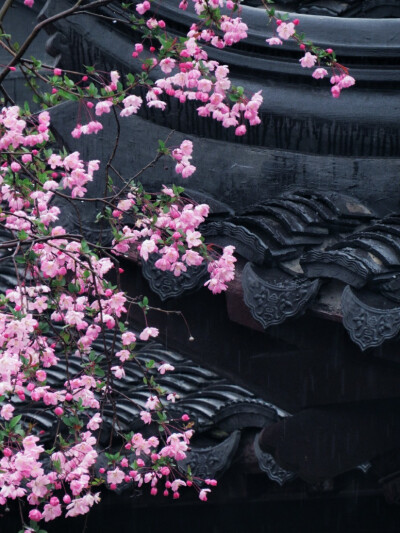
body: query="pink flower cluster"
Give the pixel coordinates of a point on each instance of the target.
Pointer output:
(339, 82)
(183, 223)
(15, 133)
(94, 126)
(222, 271)
(201, 80)
(183, 155)
(287, 30)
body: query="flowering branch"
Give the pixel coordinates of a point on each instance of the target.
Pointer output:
(66, 310)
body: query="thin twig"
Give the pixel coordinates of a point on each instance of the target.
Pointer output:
(4, 9)
(64, 14)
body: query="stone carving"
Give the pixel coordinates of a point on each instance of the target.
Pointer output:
(268, 465)
(166, 285)
(213, 460)
(272, 302)
(368, 326)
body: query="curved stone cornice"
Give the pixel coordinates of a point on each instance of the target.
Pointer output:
(342, 8)
(272, 302)
(267, 464)
(298, 113)
(166, 285)
(212, 461)
(368, 326)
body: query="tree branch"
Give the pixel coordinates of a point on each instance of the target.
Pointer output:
(4, 9)
(67, 13)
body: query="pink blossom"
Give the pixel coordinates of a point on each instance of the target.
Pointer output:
(193, 238)
(168, 191)
(335, 90)
(308, 60)
(167, 65)
(103, 106)
(188, 170)
(7, 411)
(347, 81)
(147, 333)
(319, 73)
(286, 30)
(142, 8)
(50, 512)
(157, 104)
(118, 372)
(34, 514)
(115, 476)
(147, 247)
(240, 130)
(273, 41)
(152, 402)
(203, 494)
(41, 375)
(94, 422)
(145, 416)
(128, 338)
(172, 397)
(165, 367)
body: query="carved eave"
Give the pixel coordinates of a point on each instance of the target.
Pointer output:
(212, 461)
(369, 326)
(167, 285)
(268, 465)
(273, 301)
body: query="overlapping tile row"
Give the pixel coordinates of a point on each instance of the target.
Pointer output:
(219, 409)
(293, 245)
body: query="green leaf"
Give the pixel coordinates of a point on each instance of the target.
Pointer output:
(99, 372)
(92, 90)
(68, 82)
(67, 96)
(14, 421)
(73, 287)
(85, 247)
